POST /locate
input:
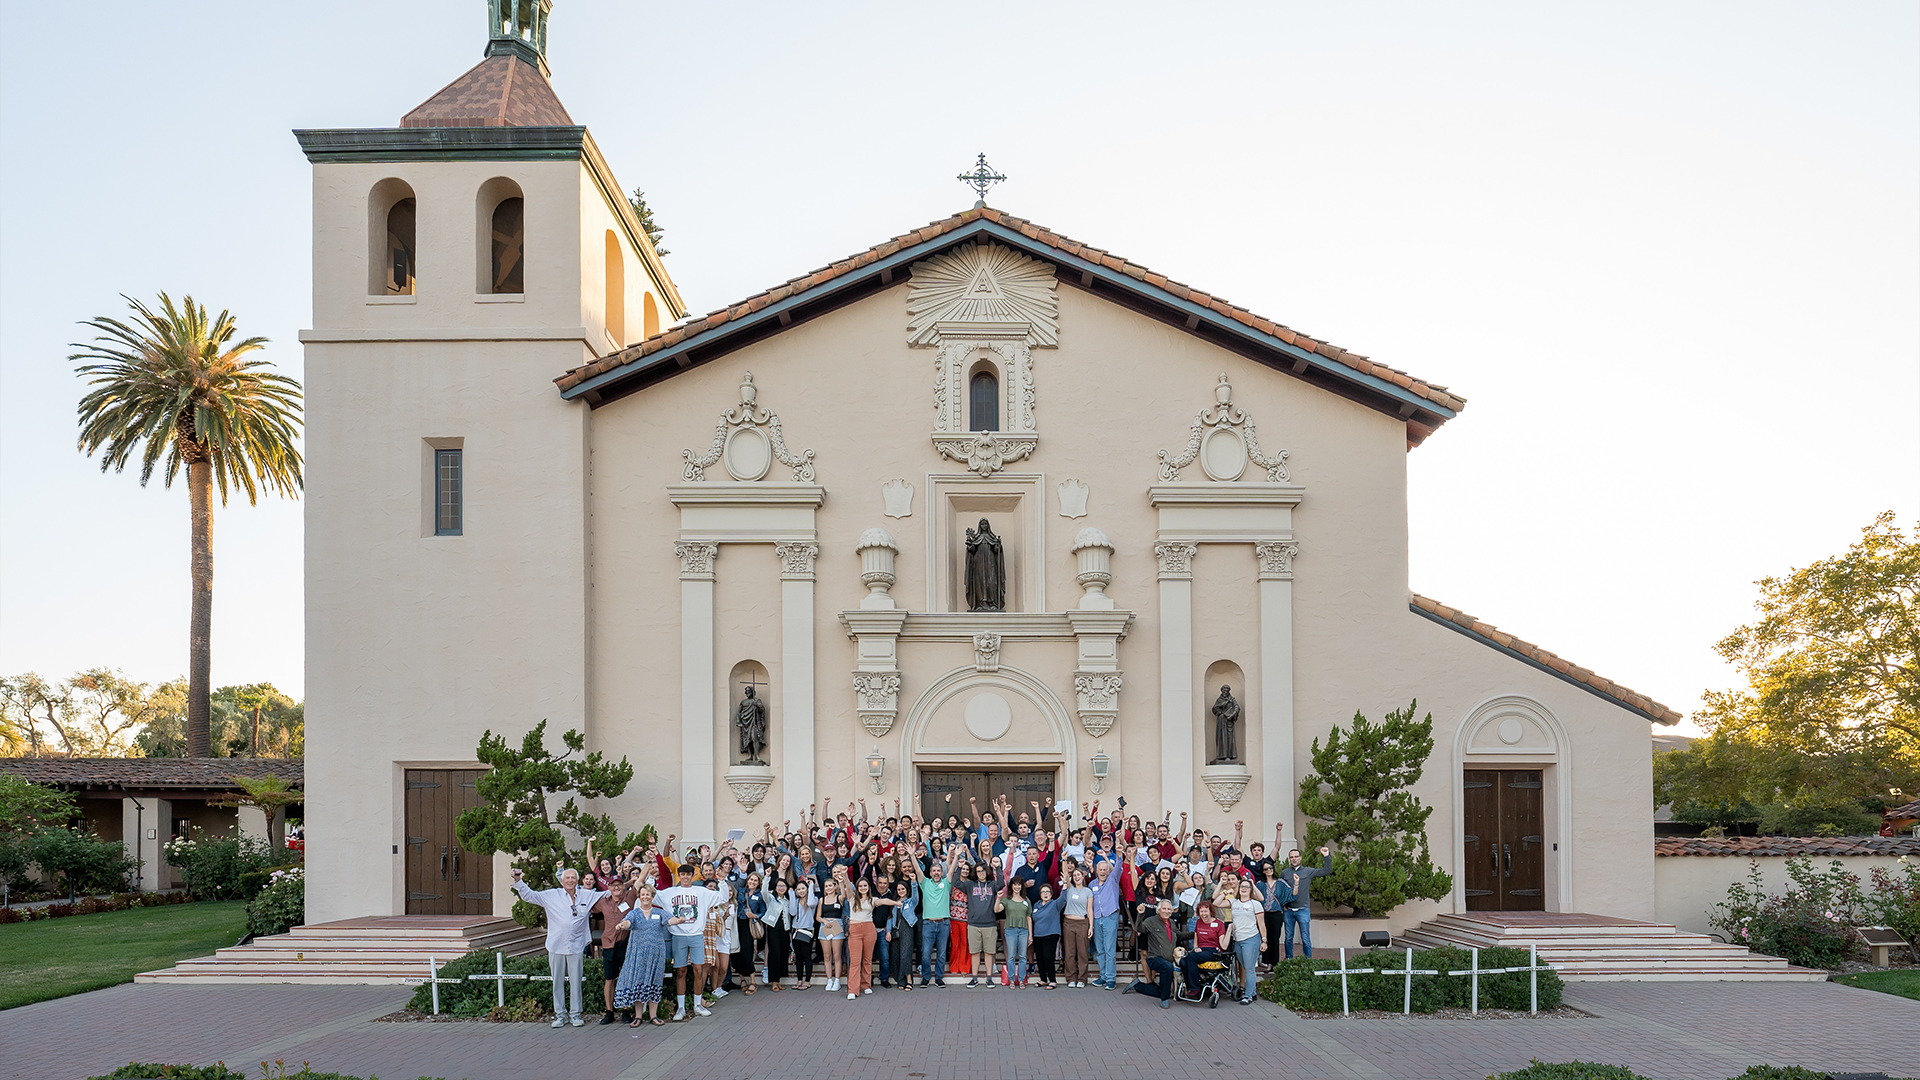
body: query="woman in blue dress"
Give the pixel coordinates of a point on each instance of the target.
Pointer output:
(646, 961)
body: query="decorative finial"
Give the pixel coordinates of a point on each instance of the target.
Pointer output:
(519, 28)
(980, 179)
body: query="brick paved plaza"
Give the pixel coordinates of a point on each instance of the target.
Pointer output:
(1695, 1031)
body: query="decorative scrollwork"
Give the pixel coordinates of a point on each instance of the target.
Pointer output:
(876, 690)
(983, 453)
(747, 414)
(1223, 414)
(1100, 690)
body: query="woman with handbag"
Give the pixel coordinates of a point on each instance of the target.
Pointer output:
(904, 929)
(750, 932)
(779, 909)
(806, 925)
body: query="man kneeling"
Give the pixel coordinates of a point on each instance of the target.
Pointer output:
(1157, 938)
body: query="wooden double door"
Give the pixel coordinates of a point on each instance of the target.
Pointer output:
(443, 879)
(1019, 788)
(1506, 861)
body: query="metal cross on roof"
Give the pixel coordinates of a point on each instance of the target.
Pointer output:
(980, 179)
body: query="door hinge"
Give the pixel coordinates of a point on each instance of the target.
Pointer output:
(423, 896)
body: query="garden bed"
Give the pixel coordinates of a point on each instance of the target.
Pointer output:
(1560, 1012)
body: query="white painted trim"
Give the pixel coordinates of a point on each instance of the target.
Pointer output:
(1225, 493)
(734, 493)
(1277, 778)
(698, 708)
(796, 694)
(1556, 768)
(500, 298)
(1176, 692)
(459, 333)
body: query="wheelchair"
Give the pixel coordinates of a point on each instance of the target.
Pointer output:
(1216, 979)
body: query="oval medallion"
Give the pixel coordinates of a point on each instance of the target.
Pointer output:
(748, 454)
(1222, 454)
(988, 716)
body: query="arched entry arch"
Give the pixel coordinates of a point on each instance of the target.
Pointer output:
(1515, 732)
(957, 723)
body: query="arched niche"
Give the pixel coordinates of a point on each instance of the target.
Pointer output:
(747, 673)
(616, 290)
(1224, 673)
(983, 394)
(1519, 732)
(500, 251)
(650, 315)
(391, 244)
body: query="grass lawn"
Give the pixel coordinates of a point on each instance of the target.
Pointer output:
(1904, 981)
(57, 957)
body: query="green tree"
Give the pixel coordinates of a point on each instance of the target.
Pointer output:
(645, 214)
(1359, 798)
(269, 795)
(175, 387)
(1829, 720)
(517, 815)
(30, 698)
(26, 806)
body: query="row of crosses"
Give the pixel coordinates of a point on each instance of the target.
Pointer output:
(1534, 968)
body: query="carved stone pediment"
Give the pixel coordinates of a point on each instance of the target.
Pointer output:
(981, 288)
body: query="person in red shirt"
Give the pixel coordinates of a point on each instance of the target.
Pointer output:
(1210, 939)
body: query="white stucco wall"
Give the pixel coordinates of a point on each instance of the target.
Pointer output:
(1686, 887)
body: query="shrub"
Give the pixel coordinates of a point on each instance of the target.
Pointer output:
(82, 861)
(1569, 1070)
(477, 998)
(137, 1071)
(1780, 1072)
(1810, 925)
(213, 865)
(1359, 798)
(253, 881)
(1294, 985)
(1894, 898)
(280, 906)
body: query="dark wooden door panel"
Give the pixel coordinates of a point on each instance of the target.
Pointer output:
(1523, 843)
(982, 787)
(427, 878)
(473, 874)
(1480, 797)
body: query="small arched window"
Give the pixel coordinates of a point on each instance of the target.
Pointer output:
(390, 238)
(509, 246)
(399, 261)
(983, 401)
(650, 315)
(616, 292)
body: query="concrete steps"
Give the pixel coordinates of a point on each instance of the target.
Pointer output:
(1603, 949)
(393, 949)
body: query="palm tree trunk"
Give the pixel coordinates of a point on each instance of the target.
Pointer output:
(200, 634)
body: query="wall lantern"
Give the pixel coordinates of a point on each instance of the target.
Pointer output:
(1101, 763)
(877, 768)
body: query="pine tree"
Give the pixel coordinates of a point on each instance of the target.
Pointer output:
(1358, 795)
(645, 214)
(514, 815)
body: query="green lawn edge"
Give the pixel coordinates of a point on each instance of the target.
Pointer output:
(1902, 982)
(53, 958)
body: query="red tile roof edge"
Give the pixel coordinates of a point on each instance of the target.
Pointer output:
(1573, 672)
(1437, 394)
(1781, 846)
(187, 773)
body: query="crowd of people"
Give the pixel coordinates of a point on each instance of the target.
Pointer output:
(1009, 898)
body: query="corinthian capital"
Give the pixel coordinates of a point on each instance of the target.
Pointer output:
(696, 559)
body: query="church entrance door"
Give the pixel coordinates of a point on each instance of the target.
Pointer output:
(1506, 863)
(441, 878)
(1019, 788)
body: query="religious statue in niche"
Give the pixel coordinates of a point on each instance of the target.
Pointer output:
(986, 570)
(751, 718)
(1226, 716)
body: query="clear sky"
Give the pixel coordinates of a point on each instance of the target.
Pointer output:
(1670, 253)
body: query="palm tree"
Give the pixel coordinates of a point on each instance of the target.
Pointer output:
(174, 387)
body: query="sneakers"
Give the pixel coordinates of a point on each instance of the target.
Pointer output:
(577, 1022)
(851, 995)
(720, 991)
(559, 1021)
(701, 1010)
(679, 1014)
(609, 1018)
(973, 982)
(868, 990)
(1166, 1003)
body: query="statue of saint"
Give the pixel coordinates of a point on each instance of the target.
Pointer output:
(1226, 713)
(986, 570)
(752, 719)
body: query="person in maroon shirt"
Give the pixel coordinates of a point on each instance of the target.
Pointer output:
(1210, 938)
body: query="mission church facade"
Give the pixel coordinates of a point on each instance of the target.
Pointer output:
(537, 490)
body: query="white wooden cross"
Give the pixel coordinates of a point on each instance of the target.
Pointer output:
(1476, 971)
(1406, 1007)
(434, 980)
(1533, 969)
(1343, 971)
(499, 977)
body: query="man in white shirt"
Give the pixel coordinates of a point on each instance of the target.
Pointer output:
(686, 905)
(567, 908)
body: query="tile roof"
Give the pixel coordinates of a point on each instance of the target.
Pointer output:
(201, 774)
(1540, 657)
(500, 91)
(1438, 395)
(1908, 811)
(1766, 846)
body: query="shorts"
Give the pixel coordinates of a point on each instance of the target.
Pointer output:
(689, 949)
(982, 939)
(611, 959)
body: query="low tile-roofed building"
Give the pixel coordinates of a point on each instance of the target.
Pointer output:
(1329, 358)
(1777, 846)
(1533, 654)
(501, 91)
(147, 774)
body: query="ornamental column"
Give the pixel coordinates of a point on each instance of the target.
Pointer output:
(697, 708)
(1176, 673)
(1279, 784)
(796, 672)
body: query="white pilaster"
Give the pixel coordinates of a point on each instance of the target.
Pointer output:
(1176, 674)
(138, 817)
(1278, 781)
(796, 674)
(698, 709)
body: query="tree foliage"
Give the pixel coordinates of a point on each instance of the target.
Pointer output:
(1829, 720)
(269, 795)
(517, 813)
(645, 213)
(1359, 795)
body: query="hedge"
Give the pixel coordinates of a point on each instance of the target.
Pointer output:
(1294, 985)
(90, 905)
(477, 998)
(219, 1071)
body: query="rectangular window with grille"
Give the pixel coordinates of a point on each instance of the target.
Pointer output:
(446, 492)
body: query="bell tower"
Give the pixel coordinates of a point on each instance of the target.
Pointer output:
(519, 28)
